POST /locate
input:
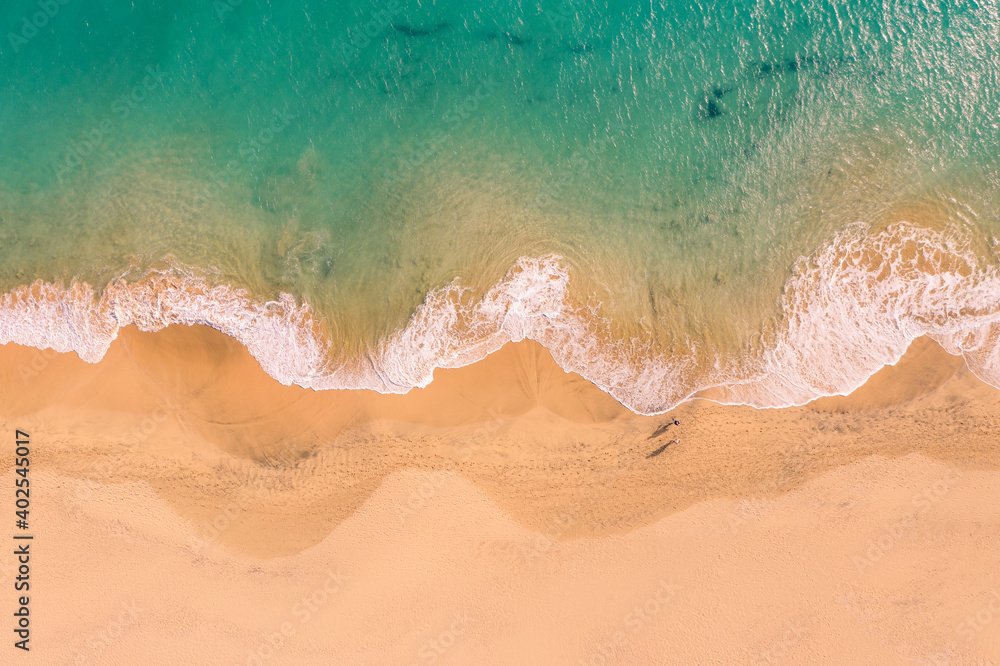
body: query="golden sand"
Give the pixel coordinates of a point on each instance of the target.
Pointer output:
(189, 509)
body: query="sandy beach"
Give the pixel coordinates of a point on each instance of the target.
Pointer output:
(440, 333)
(188, 508)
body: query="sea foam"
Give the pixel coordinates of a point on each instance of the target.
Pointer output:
(857, 305)
(846, 312)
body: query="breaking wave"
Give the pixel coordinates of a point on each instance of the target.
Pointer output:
(846, 312)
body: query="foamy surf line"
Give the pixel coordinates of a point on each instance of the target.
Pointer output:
(848, 311)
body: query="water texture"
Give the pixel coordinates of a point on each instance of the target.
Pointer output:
(767, 199)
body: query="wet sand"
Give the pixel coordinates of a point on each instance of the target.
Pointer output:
(509, 510)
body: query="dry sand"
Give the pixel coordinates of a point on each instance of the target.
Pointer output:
(188, 509)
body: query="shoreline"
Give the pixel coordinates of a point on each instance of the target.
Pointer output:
(481, 501)
(846, 313)
(189, 410)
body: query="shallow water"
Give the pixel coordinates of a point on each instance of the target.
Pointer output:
(773, 198)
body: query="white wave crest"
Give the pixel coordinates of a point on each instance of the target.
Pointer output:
(849, 310)
(857, 305)
(280, 334)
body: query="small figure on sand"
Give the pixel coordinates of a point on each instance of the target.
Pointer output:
(662, 429)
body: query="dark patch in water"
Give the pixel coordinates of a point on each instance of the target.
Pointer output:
(709, 109)
(719, 92)
(764, 69)
(581, 48)
(793, 65)
(751, 150)
(799, 62)
(508, 38)
(411, 31)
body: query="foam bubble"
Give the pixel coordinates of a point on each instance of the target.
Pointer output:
(846, 312)
(858, 304)
(280, 334)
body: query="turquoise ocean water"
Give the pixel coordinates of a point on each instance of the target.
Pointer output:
(769, 199)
